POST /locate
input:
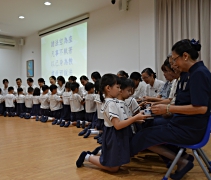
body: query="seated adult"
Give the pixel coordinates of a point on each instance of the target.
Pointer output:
(165, 91)
(191, 110)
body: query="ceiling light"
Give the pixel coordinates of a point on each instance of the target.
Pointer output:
(21, 17)
(47, 3)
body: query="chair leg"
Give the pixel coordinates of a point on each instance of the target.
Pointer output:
(201, 164)
(173, 164)
(205, 159)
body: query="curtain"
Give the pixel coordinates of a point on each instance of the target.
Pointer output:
(182, 19)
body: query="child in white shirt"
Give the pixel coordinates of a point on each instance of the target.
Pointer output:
(76, 104)
(20, 99)
(29, 102)
(45, 104)
(9, 103)
(35, 112)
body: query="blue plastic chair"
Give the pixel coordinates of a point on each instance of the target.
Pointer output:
(196, 152)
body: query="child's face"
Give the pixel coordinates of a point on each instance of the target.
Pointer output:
(67, 89)
(76, 90)
(126, 93)
(113, 91)
(11, 92)
(54, 91)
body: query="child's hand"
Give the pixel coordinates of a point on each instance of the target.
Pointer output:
(141, 116)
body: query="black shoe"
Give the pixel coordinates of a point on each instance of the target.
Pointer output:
(83, 132)
(37, 118)
(78, 124)
(99, 139)
(87, 134)
(62, 123)
(96, 150)
(83, 125)
(181, 173)
(59, 122)
(54, 122)
(190, 158)
(27, 116)
(5, 114)
(100, 142)
(67, 124)
(10, 114)
(96, 137)
(81, 159)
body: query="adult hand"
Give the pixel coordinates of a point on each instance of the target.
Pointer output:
(159, 109)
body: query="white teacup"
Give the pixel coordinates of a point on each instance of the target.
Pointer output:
(147, 112)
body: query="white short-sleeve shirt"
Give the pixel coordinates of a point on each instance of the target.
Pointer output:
(9, 100)
(110, 110)
(75, 103)
(173, 92)
(44, 100)
(66, 98)
(90, 103)
(16, 89)
(154, 91)
(99, 105)
(133, 105)
(29, 100)
(36, 99)
(82, 92)
(140, 90)
(60, 90)
(55, 102)
(20, 98)
(125, 108)
(4, 91)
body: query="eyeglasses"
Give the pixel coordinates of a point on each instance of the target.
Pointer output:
(174, 59)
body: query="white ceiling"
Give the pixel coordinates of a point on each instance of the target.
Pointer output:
(38, 16)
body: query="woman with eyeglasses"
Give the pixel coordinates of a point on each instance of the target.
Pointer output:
(154, 85)
(191, 111)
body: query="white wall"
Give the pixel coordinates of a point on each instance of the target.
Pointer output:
(32, 50)
(116, 40)
(10, 60)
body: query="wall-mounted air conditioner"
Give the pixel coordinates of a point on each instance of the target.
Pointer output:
(7, 42)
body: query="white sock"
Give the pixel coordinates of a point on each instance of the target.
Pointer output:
(50, 118)
(81, 122)
(87, 157)
(95, 132)
(86, 122)
(63, 120)
(99, 153)
(33, 117)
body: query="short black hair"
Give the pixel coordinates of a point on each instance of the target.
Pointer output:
(123, 74)
(52, 87)
(5, 80)
(89, 86)
(53, 77)
(150, 72)
(84, 78)
(74, 86)
(189, 46)
(41, 80)
(10, 88)
(19, 79)
(73, 78)
(30, 89)
(45, 87)
(61, 78)
(36, 92)
(96, 75)
(20, 90)
(135, 76)
(30, 80)
(68, 85)
(125, 82)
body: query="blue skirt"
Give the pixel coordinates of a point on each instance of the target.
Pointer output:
(35, 110)
(1, 108)
(45, 112)
(56, 114)
(115, 147)
(89, 117)
(28, 110)
(100, 124)
(20, 108)
(66, 113)
(10, 109)
(78, 116)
